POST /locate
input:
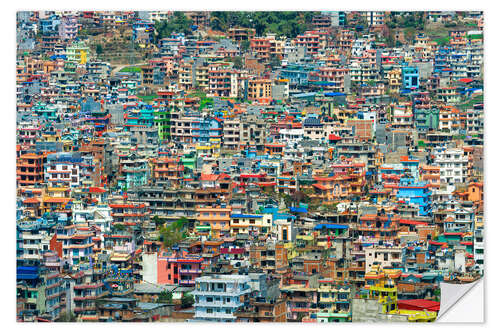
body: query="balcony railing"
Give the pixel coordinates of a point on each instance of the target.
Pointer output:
(190, 271)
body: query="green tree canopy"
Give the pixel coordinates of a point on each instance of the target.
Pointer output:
(187, 300)
(173, 233)
(288, 24)
(178, 23)
(165, 297)
(238, 62)
(98, 49)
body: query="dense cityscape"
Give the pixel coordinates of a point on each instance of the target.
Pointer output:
(247, 166)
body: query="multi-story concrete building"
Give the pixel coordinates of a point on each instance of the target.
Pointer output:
(218, 297)
(452, 164)
(383, 256)
(63, 169)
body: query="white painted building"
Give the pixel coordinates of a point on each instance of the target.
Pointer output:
(63, 169)
(385, 256)
(452, 164)
(291, 136)
(479, 249)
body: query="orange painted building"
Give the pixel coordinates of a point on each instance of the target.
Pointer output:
(430, 173)
(218, 218)
(30, 169)
(165, 168)
(382, 227)
(258, 89)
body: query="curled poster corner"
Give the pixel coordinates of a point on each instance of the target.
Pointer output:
(462, 302)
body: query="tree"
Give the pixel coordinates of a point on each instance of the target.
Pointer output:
(300, 196)
(157, 221)
(66, 317)
(165, 297)
(98, 49)
(410, 33)
(238, 62)
(245, 45)
(178, 23)
(173, 234)
(118, 227)
(187, 300)
(287, 199)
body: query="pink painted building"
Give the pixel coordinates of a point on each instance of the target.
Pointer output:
(177, 269)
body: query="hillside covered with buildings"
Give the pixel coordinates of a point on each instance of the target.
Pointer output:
(247, 166)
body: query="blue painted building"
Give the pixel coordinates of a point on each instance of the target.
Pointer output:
(410, 77)
(296, 74)
(50, 25)
(410, 164)
(441, 59)
(415, 193)
(205, 130)
(144, 116)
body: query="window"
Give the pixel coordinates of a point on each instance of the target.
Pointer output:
(210, 299)
(210, 311)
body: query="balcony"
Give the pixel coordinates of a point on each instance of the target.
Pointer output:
(299, 309)
(85, 308)
(87, 297)
(190, 271)
(187, 282)
(221, 315)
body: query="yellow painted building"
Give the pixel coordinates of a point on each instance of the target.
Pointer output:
(259, 88)
(381, 286)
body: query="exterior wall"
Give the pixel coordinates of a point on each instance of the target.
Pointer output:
(150, 267)
(218, 297)
(376, 254)
(370, 311)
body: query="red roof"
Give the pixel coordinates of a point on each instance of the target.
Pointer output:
(208, 177)
(96, 190)
(466, 80)
(453, 233)
(31, 200)
(418, 304)
(436, 243)
(321, 187)
(412, 222)
(333, 137)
